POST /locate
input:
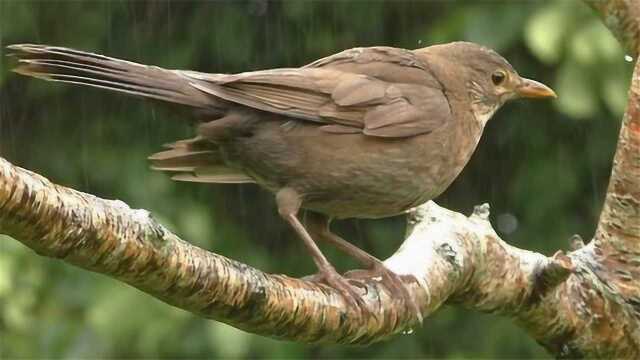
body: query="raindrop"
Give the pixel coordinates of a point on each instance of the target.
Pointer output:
(407, 332)
(507, 223)
(628, 58)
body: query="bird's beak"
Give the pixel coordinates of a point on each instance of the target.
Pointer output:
(535, 90)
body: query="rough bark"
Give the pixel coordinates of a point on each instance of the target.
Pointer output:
(450, 255)
(582, 304)
(621, 17)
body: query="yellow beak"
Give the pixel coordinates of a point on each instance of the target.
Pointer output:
(535, 90)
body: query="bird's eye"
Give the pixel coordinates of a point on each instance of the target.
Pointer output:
(498, 77)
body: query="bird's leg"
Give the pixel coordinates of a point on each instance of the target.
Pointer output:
(289, 201)
(318, 225)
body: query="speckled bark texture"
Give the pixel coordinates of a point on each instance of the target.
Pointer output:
(450, 255)
(621, 17)
(585, 303)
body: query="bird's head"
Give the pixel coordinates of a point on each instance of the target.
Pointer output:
(487, 80)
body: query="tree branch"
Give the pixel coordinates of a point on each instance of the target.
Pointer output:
(454, 258)
(449, 255)
(619, 225)
(621, 17)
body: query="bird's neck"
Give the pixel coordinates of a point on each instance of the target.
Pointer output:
(482, 113)
(467, 131)
(462, 135)
(470, 126)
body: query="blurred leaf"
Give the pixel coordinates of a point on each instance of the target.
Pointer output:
(228, 341)
(545, 31)
(582, 44)
(483, 21)
(195, 223)
(593, 44)
(607, 47)
(576, 97)
(444, 29)
(615, 87)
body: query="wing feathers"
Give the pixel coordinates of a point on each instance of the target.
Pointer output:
(340, 129)
(339, 98)
(379, 91)
(359, 91)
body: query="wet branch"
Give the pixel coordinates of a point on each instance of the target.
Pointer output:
(621, 17)
(617, 237)
(449, 254)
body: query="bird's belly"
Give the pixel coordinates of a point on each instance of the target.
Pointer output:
(347, 175)
(366, 204)
(372, 189)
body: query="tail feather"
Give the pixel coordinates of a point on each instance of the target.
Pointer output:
(180, 159)
(197, 160)
(84, 68)
(186, 155)
(223, 176)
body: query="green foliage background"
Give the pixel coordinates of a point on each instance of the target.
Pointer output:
(543, 166)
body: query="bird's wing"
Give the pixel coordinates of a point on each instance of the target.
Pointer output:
(389, 64)
(347, 92)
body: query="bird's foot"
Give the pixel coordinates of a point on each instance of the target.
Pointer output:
(349, 292)
(392, 281)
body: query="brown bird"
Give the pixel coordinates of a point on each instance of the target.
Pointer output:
(365, 133)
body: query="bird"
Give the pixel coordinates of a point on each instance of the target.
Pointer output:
(368, 132)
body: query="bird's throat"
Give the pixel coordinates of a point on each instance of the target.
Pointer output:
(482, 112)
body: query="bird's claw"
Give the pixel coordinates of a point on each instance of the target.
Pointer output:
(349, 292)
(392, 281)
(396, 285)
